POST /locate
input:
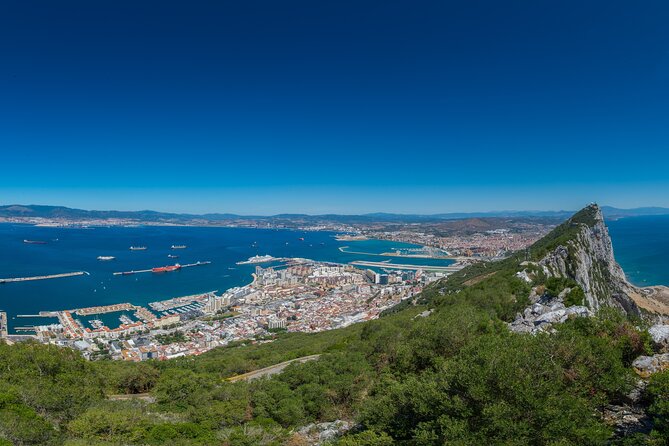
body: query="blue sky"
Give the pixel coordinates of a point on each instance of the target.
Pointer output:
(267, 107)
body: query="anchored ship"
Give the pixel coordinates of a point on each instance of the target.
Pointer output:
(34, 242)
(137, 248)
(179, 246)
(166, 269)
(104, 258)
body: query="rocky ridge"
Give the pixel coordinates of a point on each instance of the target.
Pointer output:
(584, 255)
(588, 259)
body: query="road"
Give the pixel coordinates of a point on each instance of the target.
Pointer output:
(271, 370)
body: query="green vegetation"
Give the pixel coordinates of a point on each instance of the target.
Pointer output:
(455, 376)
(170, 338)
(220, 316)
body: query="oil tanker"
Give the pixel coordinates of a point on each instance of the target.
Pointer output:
(166, 269)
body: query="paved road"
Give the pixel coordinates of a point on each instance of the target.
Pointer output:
(271, 370)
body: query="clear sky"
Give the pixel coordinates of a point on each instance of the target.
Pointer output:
(342, 106)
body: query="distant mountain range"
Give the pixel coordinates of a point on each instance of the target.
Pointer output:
(14, 211)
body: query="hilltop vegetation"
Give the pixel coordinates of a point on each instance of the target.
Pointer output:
(454, 374)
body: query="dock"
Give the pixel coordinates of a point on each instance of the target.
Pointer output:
(150, 270)
(50, 276)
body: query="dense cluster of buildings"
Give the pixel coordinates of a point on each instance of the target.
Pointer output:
(295, 295)
(494, 243)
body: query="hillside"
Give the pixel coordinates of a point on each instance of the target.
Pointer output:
(535, 349)
(62, 212)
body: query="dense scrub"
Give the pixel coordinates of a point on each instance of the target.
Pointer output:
(456, 375)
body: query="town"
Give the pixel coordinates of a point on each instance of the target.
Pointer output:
(294, 295)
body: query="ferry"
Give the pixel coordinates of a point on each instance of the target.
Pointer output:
(257, 259)
(179, 246)
(137, 248)
(106, 258)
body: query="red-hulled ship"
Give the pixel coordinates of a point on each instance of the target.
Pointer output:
(166, 269)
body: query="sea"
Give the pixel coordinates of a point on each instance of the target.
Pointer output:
(76, 249)
(641, 247)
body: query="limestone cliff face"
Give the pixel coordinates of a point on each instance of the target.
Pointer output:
(588, 259)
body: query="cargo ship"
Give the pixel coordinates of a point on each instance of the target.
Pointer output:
(137, 248)
(105, 258)
(166, 269)
(34, 242)
(179, 246)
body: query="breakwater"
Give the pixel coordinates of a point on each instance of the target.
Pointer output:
(50, 276)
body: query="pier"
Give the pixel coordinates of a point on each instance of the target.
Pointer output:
(41, 314)
(150, 270)
(51, 276)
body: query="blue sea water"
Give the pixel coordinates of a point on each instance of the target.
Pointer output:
(641, 246)
(77, 249)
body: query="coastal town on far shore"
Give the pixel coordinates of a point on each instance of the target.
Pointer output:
(285, 294)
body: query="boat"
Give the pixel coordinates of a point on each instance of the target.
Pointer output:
(105, 258)
(257, 259)
(96, 323)
(137, 248)
(301, 239)
(35, 242)
(179, 246)
(166, 269)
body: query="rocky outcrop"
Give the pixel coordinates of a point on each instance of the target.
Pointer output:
(645, 366)
(627, 420)
(587, 258)
(660, 335)
(323, 433)
(544, 312)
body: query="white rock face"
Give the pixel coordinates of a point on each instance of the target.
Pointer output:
(660, 334)
(645, 366)
(324, 433)
(524, 276)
